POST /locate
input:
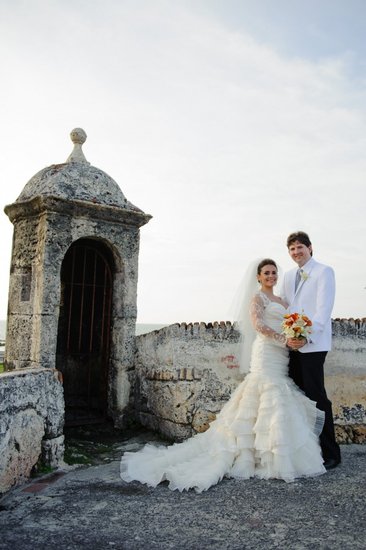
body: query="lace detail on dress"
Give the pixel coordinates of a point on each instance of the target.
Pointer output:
(256, 311)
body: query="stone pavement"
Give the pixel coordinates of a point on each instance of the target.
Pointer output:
(90, 507)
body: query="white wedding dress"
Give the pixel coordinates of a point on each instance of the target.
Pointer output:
(268, 428)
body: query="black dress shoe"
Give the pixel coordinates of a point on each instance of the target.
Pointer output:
(331, 463)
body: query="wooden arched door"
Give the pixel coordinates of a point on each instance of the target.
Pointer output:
(84, 330)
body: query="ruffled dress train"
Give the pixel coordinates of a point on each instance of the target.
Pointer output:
(268, 429)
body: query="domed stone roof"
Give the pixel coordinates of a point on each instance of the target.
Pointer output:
(76, 179)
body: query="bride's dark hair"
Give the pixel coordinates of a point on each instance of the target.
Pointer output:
(266, 261)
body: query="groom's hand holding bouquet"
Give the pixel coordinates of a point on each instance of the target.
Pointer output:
(296, 327)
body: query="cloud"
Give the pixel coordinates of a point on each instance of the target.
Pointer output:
(227, 142)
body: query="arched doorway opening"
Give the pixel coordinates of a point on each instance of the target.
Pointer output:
(83, 340)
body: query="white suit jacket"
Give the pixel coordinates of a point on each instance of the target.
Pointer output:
(315, 298)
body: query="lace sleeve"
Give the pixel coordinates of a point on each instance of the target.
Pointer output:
(256, 311)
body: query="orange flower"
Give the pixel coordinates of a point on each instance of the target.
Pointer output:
(307, 321)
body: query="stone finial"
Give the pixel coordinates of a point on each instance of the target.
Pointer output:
(78, 137)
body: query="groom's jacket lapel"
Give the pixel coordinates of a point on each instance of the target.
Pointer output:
(299, 287)
(303, 280)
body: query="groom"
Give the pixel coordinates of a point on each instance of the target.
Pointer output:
(310, 289)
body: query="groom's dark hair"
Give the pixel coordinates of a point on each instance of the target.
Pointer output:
(300, 236)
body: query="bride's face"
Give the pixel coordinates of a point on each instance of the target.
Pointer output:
(268, 276)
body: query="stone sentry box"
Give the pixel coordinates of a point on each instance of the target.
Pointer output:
(73, 283)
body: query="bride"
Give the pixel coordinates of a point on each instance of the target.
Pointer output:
(268, 428)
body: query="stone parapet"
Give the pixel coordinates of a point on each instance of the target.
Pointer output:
(346, 379)
(185, 373)
(349, 327)
(31, 423)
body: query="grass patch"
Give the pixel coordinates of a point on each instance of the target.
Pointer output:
(41, 469)
(2, 367)
(92, 444)
(75, 454)
(89, 445)
(86, 452)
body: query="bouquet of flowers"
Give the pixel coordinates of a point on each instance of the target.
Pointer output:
(296, 325)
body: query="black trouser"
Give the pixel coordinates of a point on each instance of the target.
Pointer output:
(307, 371)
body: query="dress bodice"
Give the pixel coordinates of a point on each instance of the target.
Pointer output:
(273, 315)
(266, 315)
(269, 352)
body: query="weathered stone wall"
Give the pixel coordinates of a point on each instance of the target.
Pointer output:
(185, 373)
(31, 423)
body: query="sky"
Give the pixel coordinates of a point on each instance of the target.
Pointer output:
(232, 122)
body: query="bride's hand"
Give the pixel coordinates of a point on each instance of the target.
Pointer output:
(296, 343)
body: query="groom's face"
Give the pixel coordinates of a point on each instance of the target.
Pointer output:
(300, 253)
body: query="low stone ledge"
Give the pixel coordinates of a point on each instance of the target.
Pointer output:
(20, 447)
(31, 423)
